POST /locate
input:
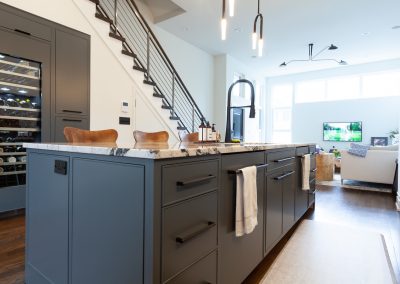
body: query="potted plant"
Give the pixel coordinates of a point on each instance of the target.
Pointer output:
(394, 135)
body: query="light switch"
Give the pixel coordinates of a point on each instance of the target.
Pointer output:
(124, 107)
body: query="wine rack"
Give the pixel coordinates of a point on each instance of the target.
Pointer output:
(20, 116)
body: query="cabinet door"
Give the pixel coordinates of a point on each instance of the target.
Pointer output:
(72, 73)
(47, 221)
(238, 256)
(273, 210)
(288, 190)
(62, 122)
(107, 235)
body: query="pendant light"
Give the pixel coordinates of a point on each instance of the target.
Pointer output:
(258, 38)
(231, 8)
(223, 21)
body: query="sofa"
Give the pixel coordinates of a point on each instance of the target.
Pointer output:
(378, 166)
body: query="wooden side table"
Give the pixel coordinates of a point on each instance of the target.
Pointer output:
(325, 166)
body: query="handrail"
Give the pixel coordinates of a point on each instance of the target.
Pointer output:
(158, 45)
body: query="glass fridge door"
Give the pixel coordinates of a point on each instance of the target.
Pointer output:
(20, 115)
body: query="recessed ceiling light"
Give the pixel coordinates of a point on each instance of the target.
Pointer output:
(22, 91)
(238, 30)
(395, 27)
(5, 89)
(366, 34)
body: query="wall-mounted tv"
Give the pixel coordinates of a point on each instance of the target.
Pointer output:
(343, 131)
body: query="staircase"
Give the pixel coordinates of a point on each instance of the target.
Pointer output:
(140, 45)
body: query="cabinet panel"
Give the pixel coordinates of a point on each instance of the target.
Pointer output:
(47, 220)
(273, 221)
(72, 74)
(15, 22)
(107, 235)
(238, 256)
(189, 232)
(288, 190)
(204, 271)
(281, 158)
(12, 198)
(62, 121)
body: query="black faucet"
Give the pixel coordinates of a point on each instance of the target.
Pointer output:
(228, 131)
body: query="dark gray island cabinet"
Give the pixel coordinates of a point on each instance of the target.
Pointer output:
(100, 214)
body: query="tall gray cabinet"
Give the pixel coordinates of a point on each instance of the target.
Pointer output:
(62, 91)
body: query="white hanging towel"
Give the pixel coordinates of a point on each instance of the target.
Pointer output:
(305, 165)
(246, 201)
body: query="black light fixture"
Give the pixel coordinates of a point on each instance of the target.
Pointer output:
(258, 38)
(312, 57)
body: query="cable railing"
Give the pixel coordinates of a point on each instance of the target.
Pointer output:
(139, 41)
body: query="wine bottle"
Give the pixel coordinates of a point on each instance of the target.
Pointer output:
(11, 159)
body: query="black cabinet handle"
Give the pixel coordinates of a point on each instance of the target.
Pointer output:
(312, 192)
(284, 175)
(22, 32)
(261, 166)
(314, 170)
(284, 160)
(313, 180)
(194, 181)
(71, 111)
(72, 120)
(198, 231)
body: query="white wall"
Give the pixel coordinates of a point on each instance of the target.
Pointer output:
(110, 84)
(378, 115)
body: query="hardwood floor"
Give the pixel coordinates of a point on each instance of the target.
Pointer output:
(12, 249)
(367, 210)
(359, 209)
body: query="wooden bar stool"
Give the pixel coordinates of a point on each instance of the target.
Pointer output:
(153, 137)
(189, 137)
(77, 135)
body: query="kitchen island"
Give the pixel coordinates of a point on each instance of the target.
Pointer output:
(156, 213)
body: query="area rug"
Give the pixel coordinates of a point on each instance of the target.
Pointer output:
(354, 184)
(327, 253)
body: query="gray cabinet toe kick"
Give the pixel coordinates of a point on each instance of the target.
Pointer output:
(108, 219)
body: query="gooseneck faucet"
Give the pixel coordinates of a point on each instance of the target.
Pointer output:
(228, 134)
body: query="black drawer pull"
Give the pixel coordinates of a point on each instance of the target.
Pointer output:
(22, 32)
(312, 192)
(197, 231)
(261, 166)
(195, 180)
(72, 120)
(314, 170)
(313, 180)
(71, 111)
(284, 160)
(284, 175)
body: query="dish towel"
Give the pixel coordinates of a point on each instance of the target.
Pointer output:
(246, 201)
(305, 165)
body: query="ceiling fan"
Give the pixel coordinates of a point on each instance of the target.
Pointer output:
(312, 57)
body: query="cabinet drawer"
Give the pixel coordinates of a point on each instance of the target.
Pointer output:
(204, 271)
(16, 23)
(188, 179)
(280, 158)
(301, 151)
(63, 121)
(189, 232)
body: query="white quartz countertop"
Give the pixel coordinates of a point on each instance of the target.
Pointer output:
(159, 150)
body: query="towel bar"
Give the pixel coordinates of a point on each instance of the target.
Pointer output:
(239, 171)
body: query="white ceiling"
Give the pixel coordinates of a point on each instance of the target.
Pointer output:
(362, 29)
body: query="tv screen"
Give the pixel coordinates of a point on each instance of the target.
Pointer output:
(343, 131)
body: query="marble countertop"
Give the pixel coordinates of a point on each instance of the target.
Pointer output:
(159, 150)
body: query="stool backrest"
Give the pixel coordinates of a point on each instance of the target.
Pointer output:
(144, 137)
(77, 135)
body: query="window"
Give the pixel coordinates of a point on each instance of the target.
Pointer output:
(281, 103)
(238, 90)
(381, 85)
(310, 91)
(343, 88)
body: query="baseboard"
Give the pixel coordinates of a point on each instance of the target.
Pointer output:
(398, 203)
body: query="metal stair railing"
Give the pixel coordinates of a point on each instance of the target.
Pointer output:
(138, 40)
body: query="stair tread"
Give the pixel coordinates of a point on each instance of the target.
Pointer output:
(103, 18)
(166, 107)
(137, 68)
(181, 128)
(158, 95)
(128, 53)
(97, 2)
(174, 117)
(116, 36)
(149, 82)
